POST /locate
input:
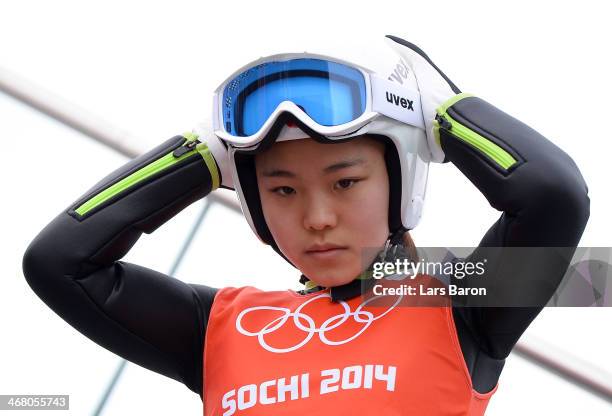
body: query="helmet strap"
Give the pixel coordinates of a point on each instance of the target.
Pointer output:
(392, 245)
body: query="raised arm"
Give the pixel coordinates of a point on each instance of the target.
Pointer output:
(536, 185)
(544, 202)
(142, 315)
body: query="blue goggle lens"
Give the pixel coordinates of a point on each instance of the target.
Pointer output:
(328, 92)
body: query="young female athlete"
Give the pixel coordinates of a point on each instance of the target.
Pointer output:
(328, 154)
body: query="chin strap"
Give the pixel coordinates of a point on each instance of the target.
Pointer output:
(394, 242)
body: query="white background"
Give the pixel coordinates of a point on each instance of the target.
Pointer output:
(150, 67)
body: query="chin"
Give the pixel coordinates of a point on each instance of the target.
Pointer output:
(329, 280)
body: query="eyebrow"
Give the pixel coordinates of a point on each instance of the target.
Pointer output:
(329, 169)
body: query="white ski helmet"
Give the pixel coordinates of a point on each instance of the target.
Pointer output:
(389, 109)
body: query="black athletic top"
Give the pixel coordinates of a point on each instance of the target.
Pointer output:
(159, 322)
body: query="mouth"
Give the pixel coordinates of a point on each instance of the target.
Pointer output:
(325, 251)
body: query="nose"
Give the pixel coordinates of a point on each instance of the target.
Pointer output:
(319, 213)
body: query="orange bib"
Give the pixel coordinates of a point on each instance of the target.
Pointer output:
(282, 353)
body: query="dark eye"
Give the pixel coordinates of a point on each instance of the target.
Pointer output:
(346, 183)
(283, 190)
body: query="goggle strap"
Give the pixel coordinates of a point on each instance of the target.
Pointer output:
(396, 101)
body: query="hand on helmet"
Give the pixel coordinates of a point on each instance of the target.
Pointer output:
(205, 134)
(435, 89)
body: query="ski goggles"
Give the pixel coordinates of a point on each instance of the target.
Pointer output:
(332, 98)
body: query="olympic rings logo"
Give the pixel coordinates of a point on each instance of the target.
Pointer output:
(306, 324)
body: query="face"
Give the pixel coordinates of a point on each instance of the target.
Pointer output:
(324, 202)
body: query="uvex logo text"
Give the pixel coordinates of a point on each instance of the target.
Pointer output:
(399, 101)
(400, 72)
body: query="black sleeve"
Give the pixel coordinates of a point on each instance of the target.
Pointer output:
(545, 203)
(142, 315)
